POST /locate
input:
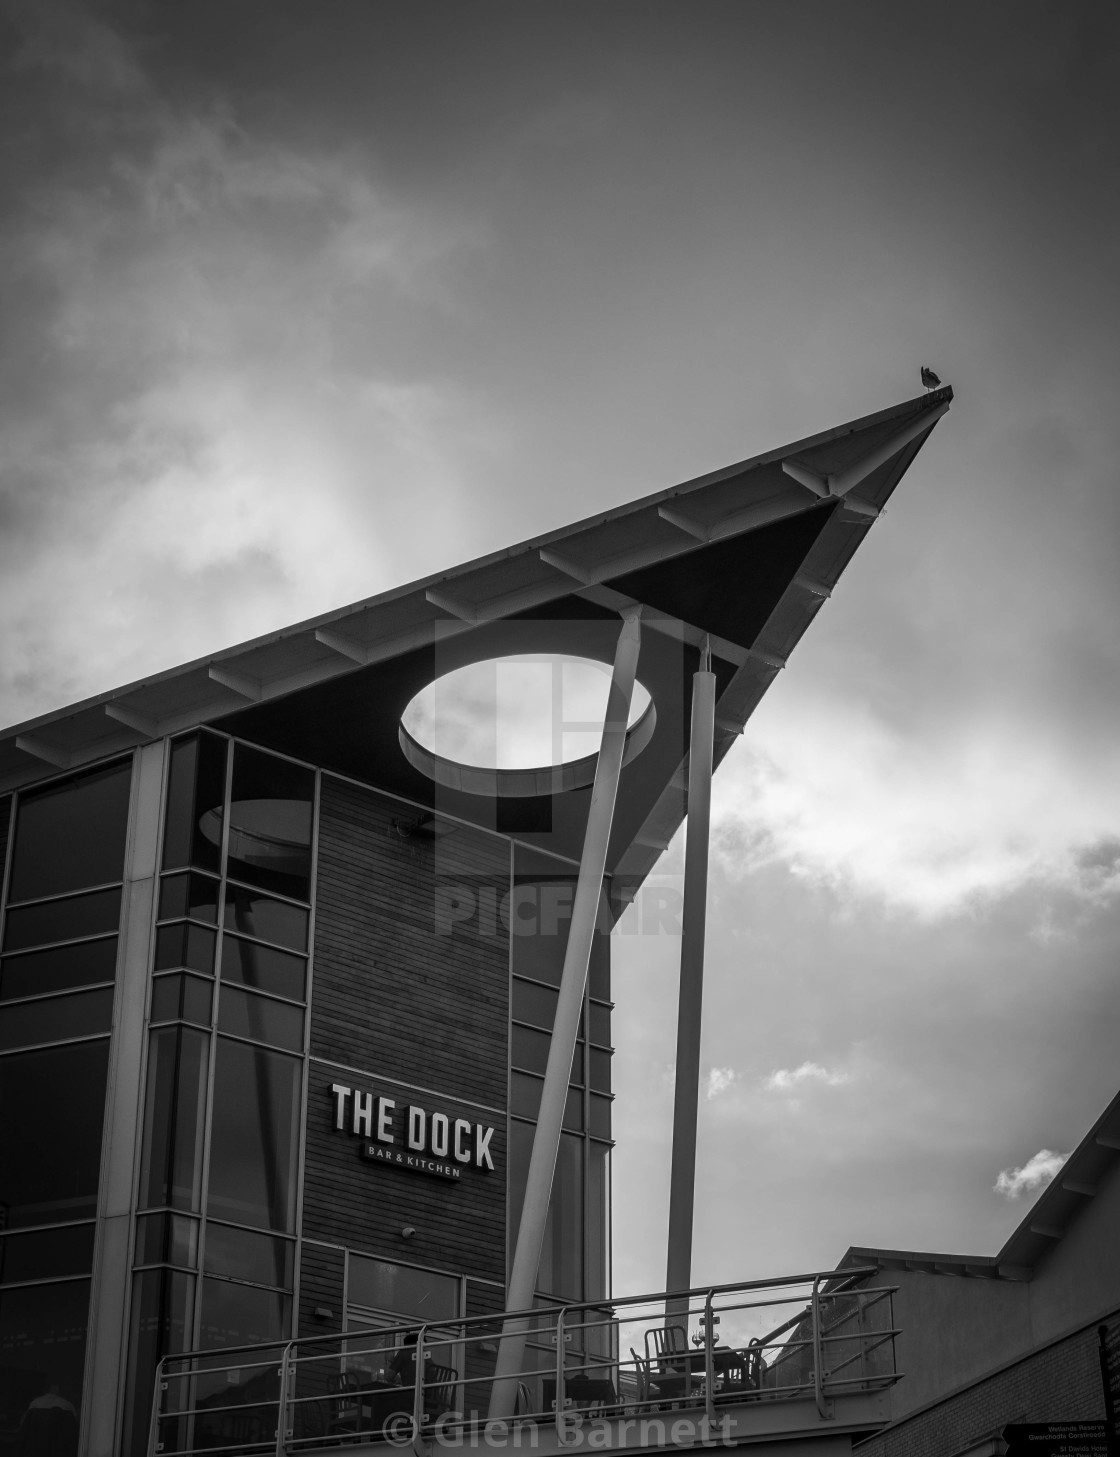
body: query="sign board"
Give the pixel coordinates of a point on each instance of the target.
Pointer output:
(1056, 1439)
(409, 1136)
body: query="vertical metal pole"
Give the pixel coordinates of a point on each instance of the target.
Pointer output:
(573, 980)
(686, 1094)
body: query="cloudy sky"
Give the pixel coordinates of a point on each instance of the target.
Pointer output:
(302, 301)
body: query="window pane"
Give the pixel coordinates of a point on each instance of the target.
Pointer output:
(244, 1014)
(257, 915)
(43, 1343)
(166, 1238)
(189, 895)
(599, 967)
(63, 920)
(56, 1019)
(532, 1003)
(401, 1289)
(254, 1136)
(58, 969)
(240, 1315)
(175, 1102)
(46, 1253)
(184, 943)
(72, 834)
(51, 1154)
(195, 794)
(525, 1095)
(162, 1307)
(270, 823)
(530, 1049)
(573, 1110)
(598, 1219)
(600, 1070)
(561, 1268)
(600, 1022)
(257, 1257)
(263, 968)
(600, 1117)
(181, 998)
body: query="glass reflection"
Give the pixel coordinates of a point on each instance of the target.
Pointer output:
(247, 1256)
(261, 1019)
(196, 791)
(171, 1158)
(63, 920)
(181, 998)
(50, 1155)
(253, 914)
(263, 968)
(162, 1306)
(42, 1348)
(254, 1136)
(54, 1019)
(34, 973)
(189, 895)
(46, 1254)
(71, 834)
(185, 944)
(270, 823)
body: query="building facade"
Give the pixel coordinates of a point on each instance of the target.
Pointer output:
(277, 982)
(338, 1070)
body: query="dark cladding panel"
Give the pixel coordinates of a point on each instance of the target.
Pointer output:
(364, 1203)
(321, 1275)
(411, 951)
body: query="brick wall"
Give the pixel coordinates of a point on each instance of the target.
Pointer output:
(1062, 1382)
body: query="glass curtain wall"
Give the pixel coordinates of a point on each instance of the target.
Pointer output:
(574, 1260)
(215, 1247)
(58, 958)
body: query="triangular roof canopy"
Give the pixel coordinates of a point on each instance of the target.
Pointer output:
(744, 556)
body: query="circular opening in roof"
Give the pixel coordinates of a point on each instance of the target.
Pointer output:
(511, 725)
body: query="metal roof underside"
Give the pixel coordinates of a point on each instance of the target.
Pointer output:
(745, 556)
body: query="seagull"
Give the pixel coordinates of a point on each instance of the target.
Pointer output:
(929, 379)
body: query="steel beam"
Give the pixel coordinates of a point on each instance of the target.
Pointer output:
(573, 981)
(686, 1091)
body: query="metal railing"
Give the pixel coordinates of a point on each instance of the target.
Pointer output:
(813, 1337)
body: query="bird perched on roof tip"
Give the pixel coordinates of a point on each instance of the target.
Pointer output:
(929, 379)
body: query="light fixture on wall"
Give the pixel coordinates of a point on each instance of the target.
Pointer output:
(407, 1231)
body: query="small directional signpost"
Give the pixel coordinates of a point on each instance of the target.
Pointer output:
(1057, 1439)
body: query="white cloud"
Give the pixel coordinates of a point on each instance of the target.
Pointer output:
(1036, 1173)
(719, 1080)
(928, 822)
(784, 1078)
(213, 444)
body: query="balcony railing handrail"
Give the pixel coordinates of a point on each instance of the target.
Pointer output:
(566, 1319)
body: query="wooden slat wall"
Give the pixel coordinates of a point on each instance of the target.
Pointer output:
(405, 999)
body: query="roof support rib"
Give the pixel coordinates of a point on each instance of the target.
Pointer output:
(49, 753)
(462, 610)
(843, 481)
(140, 722)
(240, 683)
(345, 647)
(573, 982)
